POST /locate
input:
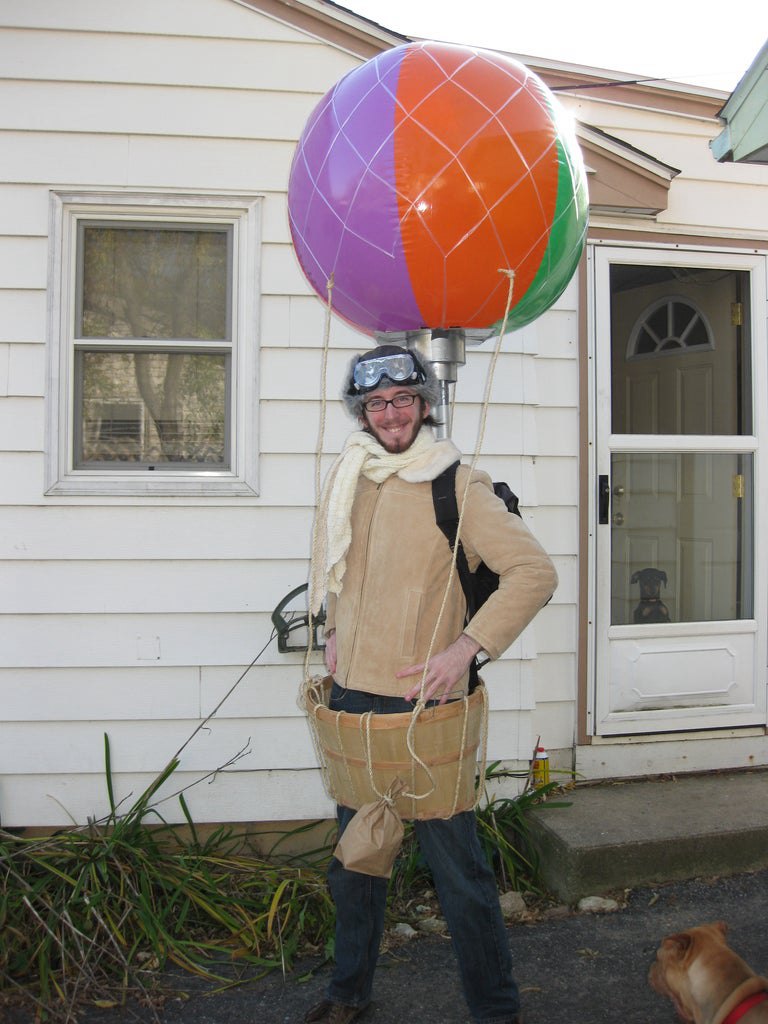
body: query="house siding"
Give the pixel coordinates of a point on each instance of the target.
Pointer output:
(134, 617)
(706, 198)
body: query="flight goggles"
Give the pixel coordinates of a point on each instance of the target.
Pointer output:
(397, 368)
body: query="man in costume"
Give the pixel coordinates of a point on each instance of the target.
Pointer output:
(384, 565)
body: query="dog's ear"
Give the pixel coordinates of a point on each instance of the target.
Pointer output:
(677, 945)
(721, 926)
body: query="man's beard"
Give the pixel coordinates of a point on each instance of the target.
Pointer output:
(398, 442)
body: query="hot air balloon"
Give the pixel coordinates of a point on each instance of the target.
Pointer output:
(421, 174)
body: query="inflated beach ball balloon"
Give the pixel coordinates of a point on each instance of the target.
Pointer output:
(421, 174)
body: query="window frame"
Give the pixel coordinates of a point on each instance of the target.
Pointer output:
(241, 215)
(661, 353)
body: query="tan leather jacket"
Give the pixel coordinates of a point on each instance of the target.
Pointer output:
(398, 565)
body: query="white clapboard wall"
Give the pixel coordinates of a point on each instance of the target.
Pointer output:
(134, 617)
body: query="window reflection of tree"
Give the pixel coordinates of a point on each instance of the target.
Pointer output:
(160, 284)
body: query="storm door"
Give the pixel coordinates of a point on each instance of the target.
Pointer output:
(679, 601)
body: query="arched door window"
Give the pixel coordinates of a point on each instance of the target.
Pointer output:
(671, 325)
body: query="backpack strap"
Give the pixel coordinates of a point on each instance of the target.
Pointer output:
(444, 500)
(447, 518)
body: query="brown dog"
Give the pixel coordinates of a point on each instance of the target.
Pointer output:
(707, 982)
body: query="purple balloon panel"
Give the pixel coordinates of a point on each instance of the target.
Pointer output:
(342, 201)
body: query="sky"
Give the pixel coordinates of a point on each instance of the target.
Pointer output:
(705, 44)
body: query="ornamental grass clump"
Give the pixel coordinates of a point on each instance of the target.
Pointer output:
(502, 828)
(92, 916)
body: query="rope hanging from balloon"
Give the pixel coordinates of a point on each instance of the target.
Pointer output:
(420, 704)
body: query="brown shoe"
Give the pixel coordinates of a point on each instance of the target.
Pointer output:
(328, 1012)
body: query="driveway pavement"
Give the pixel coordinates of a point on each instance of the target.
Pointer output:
(573, 968)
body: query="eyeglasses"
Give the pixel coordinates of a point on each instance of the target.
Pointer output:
(398, 367)
(380, 404)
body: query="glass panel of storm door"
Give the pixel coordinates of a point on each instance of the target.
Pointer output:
(681, 537)
(680, 351)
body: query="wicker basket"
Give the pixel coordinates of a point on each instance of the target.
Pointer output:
(435, 753)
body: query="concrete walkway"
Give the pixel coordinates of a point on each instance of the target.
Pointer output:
(620, 835)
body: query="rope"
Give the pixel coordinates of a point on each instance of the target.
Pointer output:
(420, 704)
(462, 744)
(482, 761)
(486, 401)
(415, 714)
(344, 759)
(310, 698)
(365, 733)
(319, 454)
(314, 686)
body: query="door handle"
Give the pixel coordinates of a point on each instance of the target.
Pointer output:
(603, 499)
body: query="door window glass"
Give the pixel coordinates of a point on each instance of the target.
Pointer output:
(679, 351)
(681, 537)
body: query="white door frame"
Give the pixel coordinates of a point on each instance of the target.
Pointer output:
(696, 637)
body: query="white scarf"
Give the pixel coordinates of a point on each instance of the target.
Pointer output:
(424, 460)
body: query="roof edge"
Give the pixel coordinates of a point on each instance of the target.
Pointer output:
(331, 22)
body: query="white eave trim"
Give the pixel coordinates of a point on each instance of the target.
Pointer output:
(609, 143)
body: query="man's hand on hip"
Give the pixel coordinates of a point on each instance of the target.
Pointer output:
(443, 672)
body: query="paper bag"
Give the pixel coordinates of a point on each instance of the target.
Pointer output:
(372, 839)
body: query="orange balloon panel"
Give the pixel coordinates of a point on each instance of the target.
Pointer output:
(476, 173)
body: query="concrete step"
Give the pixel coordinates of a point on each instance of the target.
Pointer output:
(620, 835)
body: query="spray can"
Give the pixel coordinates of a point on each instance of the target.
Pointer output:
(540, 767)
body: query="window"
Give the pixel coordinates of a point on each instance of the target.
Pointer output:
(669, 325)
(680, 352)
(153, 345)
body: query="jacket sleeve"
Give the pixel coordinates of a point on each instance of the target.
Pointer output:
(527, 576)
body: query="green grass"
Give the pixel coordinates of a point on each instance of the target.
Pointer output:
(94, 916)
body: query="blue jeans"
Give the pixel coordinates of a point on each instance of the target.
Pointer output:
(466, 888)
